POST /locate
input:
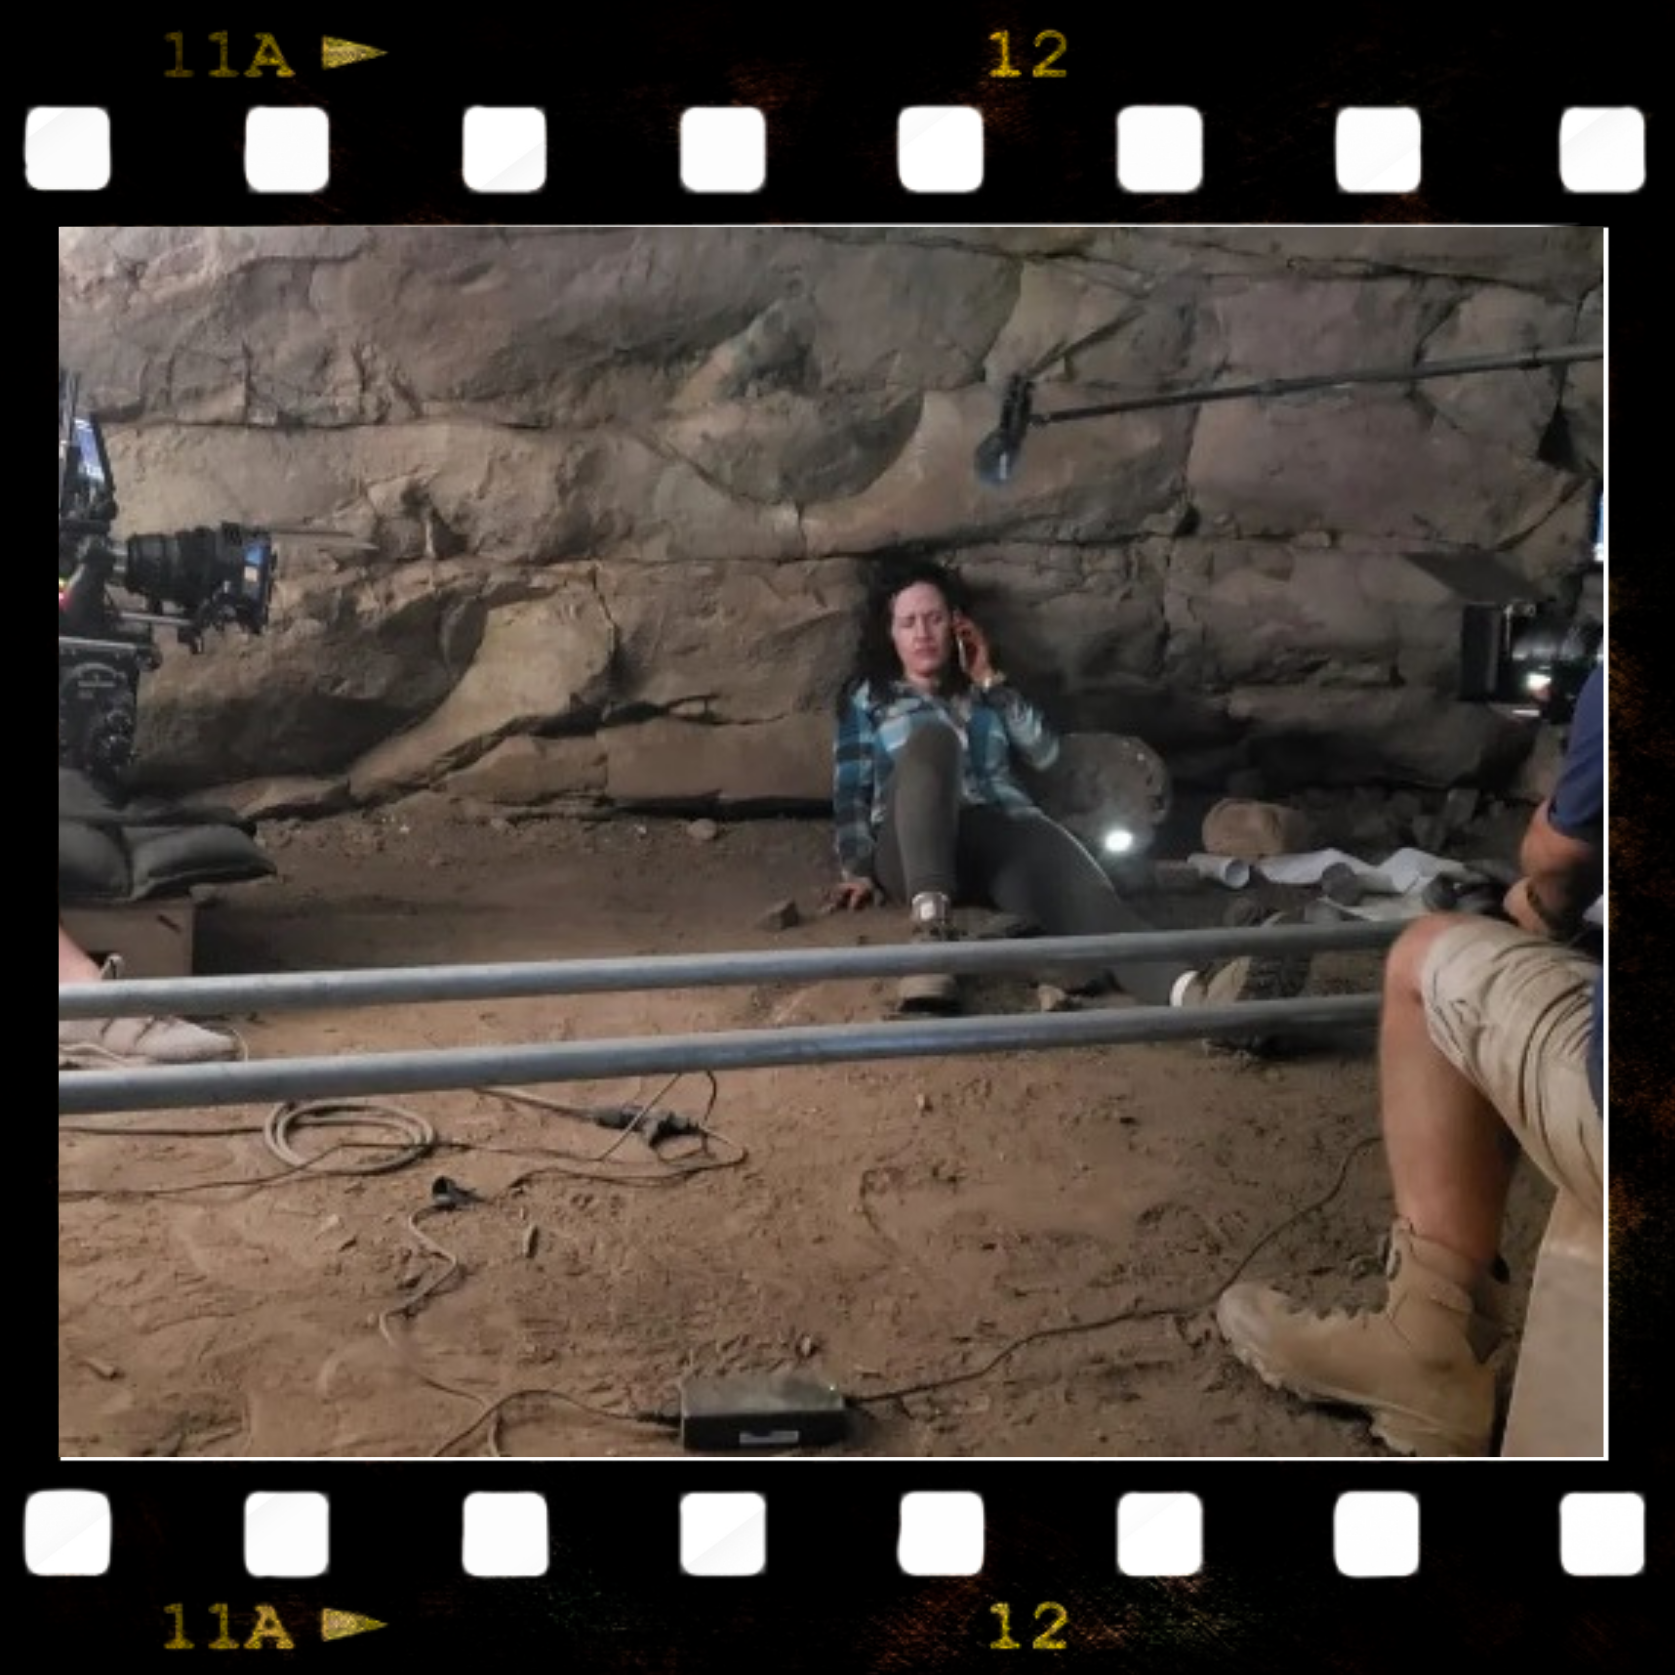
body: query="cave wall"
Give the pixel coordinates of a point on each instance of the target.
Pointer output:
(613, 493)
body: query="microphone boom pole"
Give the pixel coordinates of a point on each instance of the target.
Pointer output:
(997, 455)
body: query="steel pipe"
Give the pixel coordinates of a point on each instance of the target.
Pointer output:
(400, 986)
(159, 1087)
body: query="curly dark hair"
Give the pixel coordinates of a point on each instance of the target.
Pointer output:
(875, 657)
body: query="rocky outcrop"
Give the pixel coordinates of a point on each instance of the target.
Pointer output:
(592, 509)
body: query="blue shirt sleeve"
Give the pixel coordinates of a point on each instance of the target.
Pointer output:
(852, 785)
(1026, 727)
(1577, 806)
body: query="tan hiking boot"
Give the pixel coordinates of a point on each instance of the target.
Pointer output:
(1421, 1367)
(932, 991)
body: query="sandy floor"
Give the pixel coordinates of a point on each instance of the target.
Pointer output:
(889, 1225)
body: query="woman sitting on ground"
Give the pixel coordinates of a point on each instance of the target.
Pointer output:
(929, 811)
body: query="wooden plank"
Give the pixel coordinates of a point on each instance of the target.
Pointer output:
(1558, 1393)
(154, 938)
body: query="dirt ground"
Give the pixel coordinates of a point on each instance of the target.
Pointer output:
(886, 1225)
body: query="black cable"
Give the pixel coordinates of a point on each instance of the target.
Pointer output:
(1150, 1313)
(420, 1141)
(493, 1412)
(628, 1117)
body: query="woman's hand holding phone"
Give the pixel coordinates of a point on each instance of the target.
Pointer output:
(973, 650)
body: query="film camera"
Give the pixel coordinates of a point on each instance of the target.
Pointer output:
(190, 580)
(1533, 657)
(1527, 657)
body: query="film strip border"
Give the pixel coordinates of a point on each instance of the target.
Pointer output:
(682, 115)
(1492, 1575)
(907, 1566)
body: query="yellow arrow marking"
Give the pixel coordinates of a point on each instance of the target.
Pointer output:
(334, 54)
(339, 1625)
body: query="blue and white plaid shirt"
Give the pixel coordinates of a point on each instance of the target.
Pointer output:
(874, 726)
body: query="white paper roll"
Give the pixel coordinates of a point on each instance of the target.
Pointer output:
(1221, 869)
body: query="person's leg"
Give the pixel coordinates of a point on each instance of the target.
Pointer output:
(1482, 1052)
(74, 965)
(1031, 866)
(918, 853)
(1451, 1156)
(917, 843)
(1511, 1015)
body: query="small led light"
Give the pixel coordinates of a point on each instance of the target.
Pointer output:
(1118, 841)
(996, 460)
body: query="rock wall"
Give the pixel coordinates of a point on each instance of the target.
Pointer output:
(620, 489)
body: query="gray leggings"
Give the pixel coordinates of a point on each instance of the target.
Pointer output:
(1024, 864)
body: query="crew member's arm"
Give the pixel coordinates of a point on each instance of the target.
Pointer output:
(1563, 853)
(1562, 878)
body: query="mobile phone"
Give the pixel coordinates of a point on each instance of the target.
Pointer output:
(962, 644)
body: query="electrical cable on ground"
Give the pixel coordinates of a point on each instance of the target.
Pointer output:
(1150, 1312)
(419, 1140)
(493, 1411)
(445, 1198)
(490, 1409)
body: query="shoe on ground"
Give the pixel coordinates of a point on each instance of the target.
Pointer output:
(1252, 977)
(933, 993)
(120, 1043)
(1422, 1367)
(117, 1043)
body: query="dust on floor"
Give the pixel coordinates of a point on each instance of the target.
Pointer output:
(1030, 1243)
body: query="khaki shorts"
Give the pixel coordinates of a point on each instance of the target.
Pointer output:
(1514, 1015)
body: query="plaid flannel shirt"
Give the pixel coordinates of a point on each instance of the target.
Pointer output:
(876, 724)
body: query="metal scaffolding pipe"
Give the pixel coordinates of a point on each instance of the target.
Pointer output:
(324, 990)
(161, 1087)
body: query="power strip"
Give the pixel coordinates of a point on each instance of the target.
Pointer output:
(760, 1410)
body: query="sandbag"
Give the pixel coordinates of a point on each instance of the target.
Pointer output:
(112, 851)
(92, 864)
(166, 860)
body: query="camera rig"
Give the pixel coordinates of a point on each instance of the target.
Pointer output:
(1526, 657)
(1529, 657)
(191, 581)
